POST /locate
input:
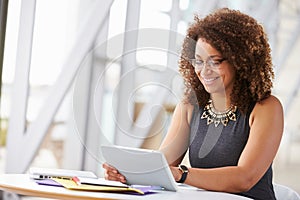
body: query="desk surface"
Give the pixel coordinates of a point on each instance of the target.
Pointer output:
(23, 185)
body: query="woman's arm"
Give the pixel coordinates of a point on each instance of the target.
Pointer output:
(266, 128)
(176, 142)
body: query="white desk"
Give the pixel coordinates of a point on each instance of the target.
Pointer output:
(23, 185)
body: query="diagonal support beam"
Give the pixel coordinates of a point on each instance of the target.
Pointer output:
(19, 159)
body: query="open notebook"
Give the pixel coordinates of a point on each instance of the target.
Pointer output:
(140, 166)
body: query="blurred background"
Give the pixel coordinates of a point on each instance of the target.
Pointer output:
(76, 74)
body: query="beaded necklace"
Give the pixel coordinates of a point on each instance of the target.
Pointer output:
(216, 117)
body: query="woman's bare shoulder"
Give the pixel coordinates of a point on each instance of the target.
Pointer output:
(270, 107)
(270, 102)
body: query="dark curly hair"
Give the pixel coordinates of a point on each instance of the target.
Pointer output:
(242, 41)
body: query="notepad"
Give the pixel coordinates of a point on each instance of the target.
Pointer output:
(70, 184)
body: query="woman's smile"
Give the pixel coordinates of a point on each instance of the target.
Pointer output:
(209, 80)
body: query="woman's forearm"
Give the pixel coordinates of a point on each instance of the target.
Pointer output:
(226, 179)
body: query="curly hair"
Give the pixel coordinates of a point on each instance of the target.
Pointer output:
(242, 41)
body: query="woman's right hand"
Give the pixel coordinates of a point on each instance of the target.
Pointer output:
(113, 174)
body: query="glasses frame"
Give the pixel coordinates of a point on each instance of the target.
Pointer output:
(209, 63)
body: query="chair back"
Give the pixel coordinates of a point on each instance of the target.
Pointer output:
(285, 193)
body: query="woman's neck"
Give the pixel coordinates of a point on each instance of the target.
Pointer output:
(220, 102)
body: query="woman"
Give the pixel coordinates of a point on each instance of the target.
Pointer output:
(229, 120)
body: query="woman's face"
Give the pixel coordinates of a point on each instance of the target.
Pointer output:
(212, 69)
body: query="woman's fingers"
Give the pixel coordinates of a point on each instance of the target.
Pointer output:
(112, 173)
(109, 168)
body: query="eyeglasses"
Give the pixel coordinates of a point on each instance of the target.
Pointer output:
(210, 63)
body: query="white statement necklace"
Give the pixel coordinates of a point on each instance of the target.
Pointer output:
(216, 117)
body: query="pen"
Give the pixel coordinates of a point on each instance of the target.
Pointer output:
(76, 180)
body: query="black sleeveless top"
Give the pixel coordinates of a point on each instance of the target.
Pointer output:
(221, 146)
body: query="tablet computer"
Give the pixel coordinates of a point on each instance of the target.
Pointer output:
(140, 166)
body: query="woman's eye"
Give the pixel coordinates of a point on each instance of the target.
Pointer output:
(199, 62)
(216, 62)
